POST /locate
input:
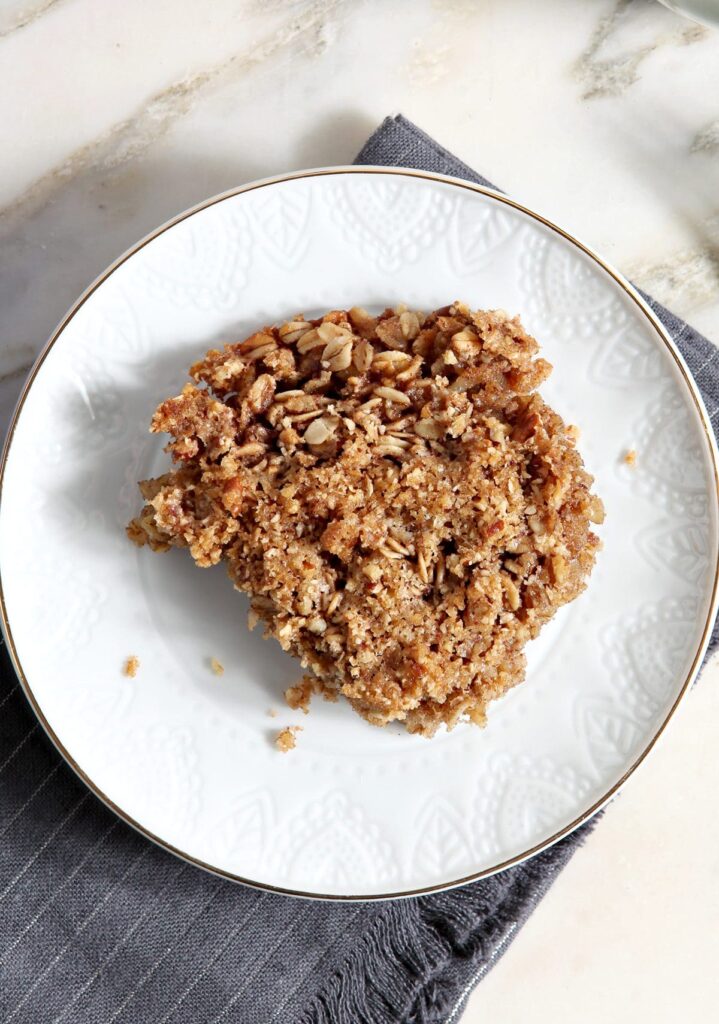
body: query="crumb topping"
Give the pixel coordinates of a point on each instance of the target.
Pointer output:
(287, 739)
(131, 666)
(401, 505)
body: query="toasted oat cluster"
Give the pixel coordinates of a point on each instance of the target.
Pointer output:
(400, 504)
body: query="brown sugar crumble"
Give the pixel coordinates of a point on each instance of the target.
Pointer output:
(401, 505)
(631, 457)
(298, 696)
(217, 667)
(131, 666)
(287, 739)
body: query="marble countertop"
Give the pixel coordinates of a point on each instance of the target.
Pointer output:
(601, 114)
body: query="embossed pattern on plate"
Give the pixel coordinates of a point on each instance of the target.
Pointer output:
(188, 756)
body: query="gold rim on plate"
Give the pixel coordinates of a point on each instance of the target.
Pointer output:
(660, 332)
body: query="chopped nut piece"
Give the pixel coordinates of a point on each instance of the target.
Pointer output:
(216, 667)
(131, 666)
(402, 507)
(372, 571)
(512, 593)
(560, 568)
(316, 624)
(392, 362)
(429, 428)
(318, 431)
(465, 344)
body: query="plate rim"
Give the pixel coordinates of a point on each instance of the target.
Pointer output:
(659, 330)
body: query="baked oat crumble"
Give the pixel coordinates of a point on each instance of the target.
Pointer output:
(287, 739)
(402, 507)
(630, 457)
(131, 666)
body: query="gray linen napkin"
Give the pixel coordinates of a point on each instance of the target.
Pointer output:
(99, 926)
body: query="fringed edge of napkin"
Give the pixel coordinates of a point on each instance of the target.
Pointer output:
(422, 956)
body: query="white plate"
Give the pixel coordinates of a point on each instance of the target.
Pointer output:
(187, 757)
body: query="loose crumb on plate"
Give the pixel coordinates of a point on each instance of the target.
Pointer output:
(630, 457)
(272, 713)
(217, 667)
(131, 666)
(287, 740)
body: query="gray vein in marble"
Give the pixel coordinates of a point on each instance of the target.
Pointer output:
(686, 278)
(17, 372)
(707, 140)
(129, 139)
(11, 384)
(13, 20)
(15, 358)
(612, 76)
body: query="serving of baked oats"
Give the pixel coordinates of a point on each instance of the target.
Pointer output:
(402, 507)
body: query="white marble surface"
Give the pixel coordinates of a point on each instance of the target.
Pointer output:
(603, 114)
